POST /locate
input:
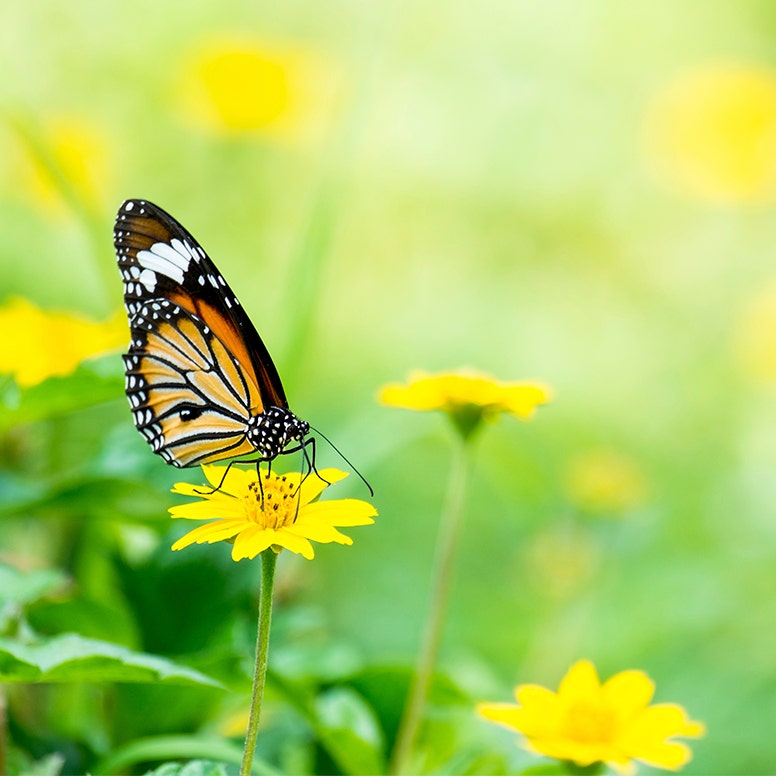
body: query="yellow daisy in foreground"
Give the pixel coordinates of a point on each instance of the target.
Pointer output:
(587, 722)
(279, 513)
(467, 397)
(44, 344)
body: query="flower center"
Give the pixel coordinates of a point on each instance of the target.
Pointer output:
(277, 508)
(589, 724)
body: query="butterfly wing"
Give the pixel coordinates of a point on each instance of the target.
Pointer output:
(191, 399)
(196, 369)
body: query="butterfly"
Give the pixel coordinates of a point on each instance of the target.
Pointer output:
(200, 382)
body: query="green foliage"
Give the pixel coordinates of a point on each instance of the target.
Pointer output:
(73, 658)
(193, 768)
(92, 383)
(348, 730)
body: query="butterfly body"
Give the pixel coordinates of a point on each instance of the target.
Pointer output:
(201, 384)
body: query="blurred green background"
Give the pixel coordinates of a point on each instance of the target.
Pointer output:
(580, 193)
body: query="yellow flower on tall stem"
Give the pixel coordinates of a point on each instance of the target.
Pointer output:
(263, 517)
(469, 399)
(281, 511)
(587, 722)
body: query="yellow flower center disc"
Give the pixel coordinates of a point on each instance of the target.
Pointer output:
(277, 508)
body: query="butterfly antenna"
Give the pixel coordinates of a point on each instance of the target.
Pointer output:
(334, 447)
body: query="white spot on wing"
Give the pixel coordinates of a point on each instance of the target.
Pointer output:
(166, 259)
(148, 279)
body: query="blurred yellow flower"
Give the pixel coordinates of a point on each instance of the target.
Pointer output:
(64, 157)
(39, 344)
(605, 482)
(756, 335)
(713, 133)
(467, 397)
(587, 722)
(235, 724)
(238, 87)
(561, 559)
(281, 512)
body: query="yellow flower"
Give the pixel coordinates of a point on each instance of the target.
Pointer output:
(279, 513)
(605, 482)
(64, 157)
(40, 344)
(713, 132)
(756, 335)
(467, 397)
(561, 559)
(236, 86)
(588, 722)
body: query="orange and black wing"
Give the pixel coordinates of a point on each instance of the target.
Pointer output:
(196, 369)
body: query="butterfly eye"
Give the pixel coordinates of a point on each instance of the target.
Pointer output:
(190, 412)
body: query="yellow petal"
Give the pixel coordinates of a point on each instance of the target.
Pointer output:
(625, 767)
(628, 692)
(313, 485)
(522, 399)
(562, 748)
(211, 532)
(541, 710)
(187, 489)
(53, 343)
(580, 684)
(321, 533)
(207, 510)
(423, 397)
(235, 482)
(669, 754)
(662, 721)
(295, 543)
(251, 541)
(504, 713)
(342, 512)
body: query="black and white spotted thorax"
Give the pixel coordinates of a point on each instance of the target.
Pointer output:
(274, 429)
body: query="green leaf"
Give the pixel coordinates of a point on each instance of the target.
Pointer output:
(19, 588)
(73, 658)
(193, 768)
(92, 383)
(349, 730)
(103, 497)
(19, 764)
(204, 756)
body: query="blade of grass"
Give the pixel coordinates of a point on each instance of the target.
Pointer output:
(30, 134)
(309, 257)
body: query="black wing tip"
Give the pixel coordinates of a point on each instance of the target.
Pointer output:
(137, 206)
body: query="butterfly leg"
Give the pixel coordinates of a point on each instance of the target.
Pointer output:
(259, 461)
(309, 460)
(223, 478)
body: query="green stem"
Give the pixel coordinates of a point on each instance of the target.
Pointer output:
(3, 729)
(268, 561)
(444, 561)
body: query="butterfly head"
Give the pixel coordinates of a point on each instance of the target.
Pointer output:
(273, 430)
